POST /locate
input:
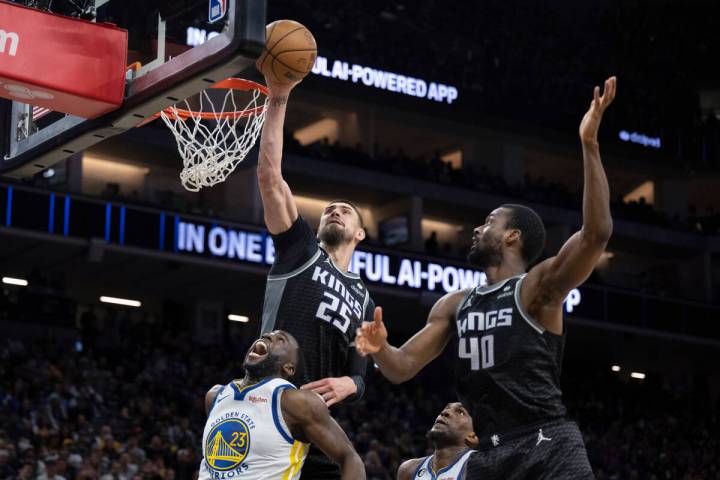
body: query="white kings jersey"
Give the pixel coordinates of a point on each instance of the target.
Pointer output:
(454, 471)
(246, 437)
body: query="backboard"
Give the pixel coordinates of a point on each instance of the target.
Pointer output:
(176, 48)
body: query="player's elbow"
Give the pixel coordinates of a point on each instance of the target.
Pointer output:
(599, 234)
(399, 377)
(352, 466)
(402, 371)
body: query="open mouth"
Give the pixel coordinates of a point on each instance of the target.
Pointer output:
(260, 349)
(440, 421)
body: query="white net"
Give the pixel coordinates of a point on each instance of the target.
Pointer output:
(213, 144)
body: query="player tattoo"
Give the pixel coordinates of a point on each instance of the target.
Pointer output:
(278, 101)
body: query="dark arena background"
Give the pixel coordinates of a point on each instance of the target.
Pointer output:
(487, 113)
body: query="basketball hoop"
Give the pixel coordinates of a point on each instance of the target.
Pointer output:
(213, 141)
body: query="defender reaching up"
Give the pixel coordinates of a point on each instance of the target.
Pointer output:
(510, 332)
(310, 292)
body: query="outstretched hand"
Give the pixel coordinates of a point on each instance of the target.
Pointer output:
(371, 336)
(278, 88)
(591, 121)
(333, 389)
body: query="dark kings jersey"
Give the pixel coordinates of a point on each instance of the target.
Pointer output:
(508, 367)
(319, 304)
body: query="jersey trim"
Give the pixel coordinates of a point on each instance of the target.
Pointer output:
(462, 470)
(462, 302)
(297, 454)
(420, 465)
(443, 470)
(495, 286)
(277, 414)
(530, 321)
(298, 270)
(241, 392)
(214, 402)
(366, 300)
(273, 294)
(345, 274)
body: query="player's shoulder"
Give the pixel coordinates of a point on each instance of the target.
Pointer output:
(408, 468)
(451, 301)
(299, 228)
(211, 395)
(213, 391)
(303, 404)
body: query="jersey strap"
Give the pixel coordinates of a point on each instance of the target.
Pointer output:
(277, 413)
(422, 464)
(298, 270)
(465, 462)
(530, 321)
(462, 457)
(214, 402)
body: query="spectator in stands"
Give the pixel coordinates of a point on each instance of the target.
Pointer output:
(110, 428)
(431, 244)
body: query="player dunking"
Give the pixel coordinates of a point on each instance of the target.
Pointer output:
(452, 436)
(310, 292)
(510, 332)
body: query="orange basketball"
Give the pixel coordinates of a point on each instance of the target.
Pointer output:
(290, 51)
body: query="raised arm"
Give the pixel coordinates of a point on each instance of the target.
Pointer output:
(548, 283)
(278, 202)
(401, 364)
(309, 420)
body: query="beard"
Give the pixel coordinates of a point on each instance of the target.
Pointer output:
(264, 368)
(484, 256)
(332, 235)
(440, 439)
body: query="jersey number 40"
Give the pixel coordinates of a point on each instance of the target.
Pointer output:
(481, 352)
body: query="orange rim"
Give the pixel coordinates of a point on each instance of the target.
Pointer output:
(227, 84)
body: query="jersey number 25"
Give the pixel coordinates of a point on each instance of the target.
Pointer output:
(332, 304)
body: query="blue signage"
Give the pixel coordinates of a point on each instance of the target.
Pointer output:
(216, 10)
(60, 214)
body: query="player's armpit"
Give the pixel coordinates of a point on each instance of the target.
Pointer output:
(576, 260)
(309, 420)
(210, 397)
(546, 285)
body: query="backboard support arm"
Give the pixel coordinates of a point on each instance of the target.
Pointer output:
(223, 56)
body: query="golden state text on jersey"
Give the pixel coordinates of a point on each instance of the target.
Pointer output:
(227, 446)
(246, 437)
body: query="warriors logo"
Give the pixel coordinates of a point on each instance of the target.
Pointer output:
(228, 443)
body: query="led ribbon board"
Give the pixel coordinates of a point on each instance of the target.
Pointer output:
(388, 81)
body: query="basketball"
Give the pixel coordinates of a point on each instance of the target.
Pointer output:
(290, 51)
